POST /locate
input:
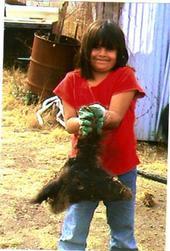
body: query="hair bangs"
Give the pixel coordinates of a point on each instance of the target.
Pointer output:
(105, 38)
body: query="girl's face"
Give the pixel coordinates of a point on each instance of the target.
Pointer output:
(103, 60)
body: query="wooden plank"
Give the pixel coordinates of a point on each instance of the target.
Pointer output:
(58, 26)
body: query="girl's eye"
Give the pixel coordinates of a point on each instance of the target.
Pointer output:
(97, 47)
(107, 49)
(110, 49)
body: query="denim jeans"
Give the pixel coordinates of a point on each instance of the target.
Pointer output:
(120, 218)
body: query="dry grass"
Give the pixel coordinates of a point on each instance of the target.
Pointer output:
(32, 154)
(153, 158)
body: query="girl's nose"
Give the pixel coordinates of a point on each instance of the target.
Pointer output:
(102, 51)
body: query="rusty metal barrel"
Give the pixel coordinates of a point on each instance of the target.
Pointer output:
(49, 63)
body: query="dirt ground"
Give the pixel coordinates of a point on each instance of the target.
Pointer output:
(31, 155)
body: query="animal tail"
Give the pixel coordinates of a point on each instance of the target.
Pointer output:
(49, 191)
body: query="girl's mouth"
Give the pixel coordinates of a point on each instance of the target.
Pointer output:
(102, 60)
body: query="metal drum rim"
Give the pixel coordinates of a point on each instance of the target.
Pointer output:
(63, 44)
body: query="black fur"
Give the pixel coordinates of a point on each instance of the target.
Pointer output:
(82, 178)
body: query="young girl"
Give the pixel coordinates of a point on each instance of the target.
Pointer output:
(104, 82)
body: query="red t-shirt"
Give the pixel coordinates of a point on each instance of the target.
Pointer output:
(119, 144)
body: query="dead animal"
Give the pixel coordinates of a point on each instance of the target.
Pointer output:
(82, 178)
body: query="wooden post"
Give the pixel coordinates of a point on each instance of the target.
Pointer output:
(57, 27)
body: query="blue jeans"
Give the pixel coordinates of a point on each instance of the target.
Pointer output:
(120, 218)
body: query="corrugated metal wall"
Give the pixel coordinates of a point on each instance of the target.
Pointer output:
(147, 31)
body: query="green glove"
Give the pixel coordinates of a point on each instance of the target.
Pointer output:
(99, 112)
(86, 117)
(91, 117)
(85, 113)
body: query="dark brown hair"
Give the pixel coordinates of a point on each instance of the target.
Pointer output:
(101, 33)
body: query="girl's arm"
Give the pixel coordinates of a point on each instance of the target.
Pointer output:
(71, 120)
(118, 107)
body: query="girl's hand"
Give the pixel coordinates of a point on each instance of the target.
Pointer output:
(98, 110)
(99, 113)
(86, 118)
(91, 117)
